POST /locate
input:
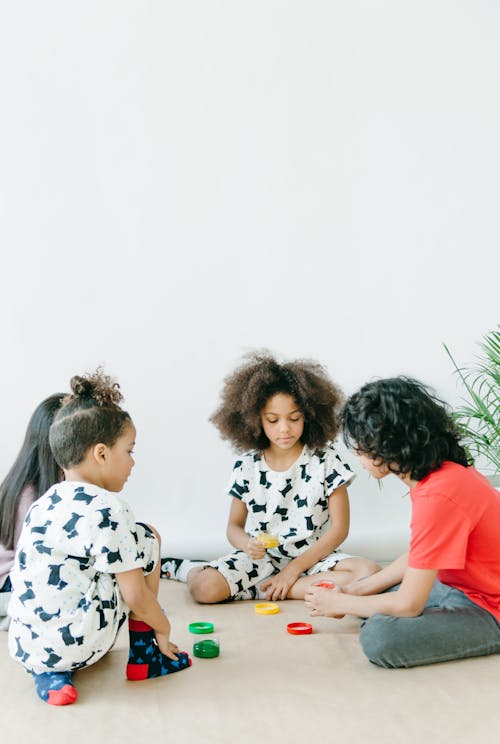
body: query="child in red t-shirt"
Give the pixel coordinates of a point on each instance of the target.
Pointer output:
(444, 601)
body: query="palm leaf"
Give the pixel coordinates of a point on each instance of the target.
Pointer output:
(478, 417)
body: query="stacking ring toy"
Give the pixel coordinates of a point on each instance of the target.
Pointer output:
(325, 584)
(201, 627)
(268, 541)
(299, 628)
(207, 649)
(266, 608)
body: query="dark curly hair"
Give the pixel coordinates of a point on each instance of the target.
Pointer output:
(89, 415)
(250, 386)
(401, 423)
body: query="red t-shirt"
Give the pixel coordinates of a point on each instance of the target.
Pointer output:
(455, 528)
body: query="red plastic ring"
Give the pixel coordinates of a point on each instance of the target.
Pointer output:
(299, 628)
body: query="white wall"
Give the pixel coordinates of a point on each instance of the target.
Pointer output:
(181, 182)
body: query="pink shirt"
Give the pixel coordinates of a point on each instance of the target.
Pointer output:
(26, 498)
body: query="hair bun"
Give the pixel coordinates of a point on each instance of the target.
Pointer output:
(80, 386)
(97, 386)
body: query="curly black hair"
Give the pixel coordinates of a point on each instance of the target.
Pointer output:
(89, 415)
(401, 423)
(258, 378)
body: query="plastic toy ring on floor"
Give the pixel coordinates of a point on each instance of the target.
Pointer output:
(266, 608)
(207, 649)
(299, 628)
(201, 627)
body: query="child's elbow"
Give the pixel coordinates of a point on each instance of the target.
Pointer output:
(339, 534)
(231, 532)
(344, 534)
(409, 607)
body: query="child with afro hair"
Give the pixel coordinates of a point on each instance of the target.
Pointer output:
(289, 510)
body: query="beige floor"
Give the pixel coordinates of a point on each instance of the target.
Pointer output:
(265, 687)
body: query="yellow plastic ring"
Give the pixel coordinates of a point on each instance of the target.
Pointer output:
(266, 608)
(268, 541)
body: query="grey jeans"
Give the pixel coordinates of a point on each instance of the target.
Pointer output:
(450, 627)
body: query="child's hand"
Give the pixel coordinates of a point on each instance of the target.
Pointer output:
(255, 549)
(324, 602)
(278, 586)
(166, 646)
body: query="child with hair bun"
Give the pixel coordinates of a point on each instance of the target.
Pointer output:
(290, 482)
(83, 563)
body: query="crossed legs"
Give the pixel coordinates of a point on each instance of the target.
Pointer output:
(209, 586)
(450, 627)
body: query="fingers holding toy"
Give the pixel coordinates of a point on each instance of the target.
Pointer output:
(325, 601)
(255, 549)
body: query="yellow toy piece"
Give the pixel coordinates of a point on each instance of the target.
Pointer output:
(268, 541)
(266, 608)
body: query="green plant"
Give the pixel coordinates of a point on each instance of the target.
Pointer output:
(479, 416)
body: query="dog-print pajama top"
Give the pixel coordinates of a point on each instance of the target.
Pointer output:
(66, 607)
(293, 505)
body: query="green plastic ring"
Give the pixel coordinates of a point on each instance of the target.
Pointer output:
(201, 627)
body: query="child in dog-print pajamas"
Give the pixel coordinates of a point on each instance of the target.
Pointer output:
(75, 538)
(83, 563)
(290, 482)
(292, 505)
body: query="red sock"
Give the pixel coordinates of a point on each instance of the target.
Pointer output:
(65, 696)
(55, 688)
(145, 658)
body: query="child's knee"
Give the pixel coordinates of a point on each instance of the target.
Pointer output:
(208, 586)
(365, 567)
(379, 640)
